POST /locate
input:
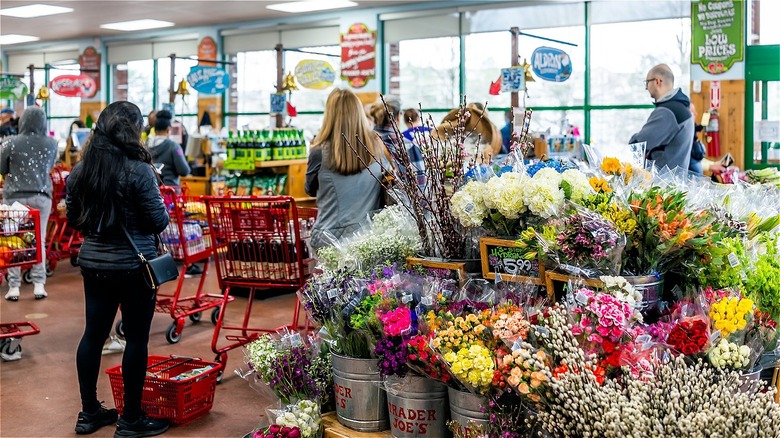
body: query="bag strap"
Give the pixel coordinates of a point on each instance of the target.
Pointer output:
(135, 247)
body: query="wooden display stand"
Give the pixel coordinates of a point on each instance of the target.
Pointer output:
(553, 278)
(296, 177)
(334, 429)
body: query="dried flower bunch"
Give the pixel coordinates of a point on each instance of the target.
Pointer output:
(443, 159)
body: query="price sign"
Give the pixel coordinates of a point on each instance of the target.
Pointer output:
(505, 258)
(439, 268)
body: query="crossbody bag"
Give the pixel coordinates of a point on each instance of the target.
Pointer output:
(158, 270)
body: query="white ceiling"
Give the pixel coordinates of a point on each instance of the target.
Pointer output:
(88, 15)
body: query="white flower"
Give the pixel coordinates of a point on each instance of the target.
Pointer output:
(578, 182)
(505, 194)
(543, 198)
(550, 175)
(468, 204)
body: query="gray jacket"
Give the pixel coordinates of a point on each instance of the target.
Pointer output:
(144, 215)
(343, 201)
(668, 131)
(27, 159)
(165, 151)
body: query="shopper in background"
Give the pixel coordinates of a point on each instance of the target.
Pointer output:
(385, 115)
(166, 153)
(345, 187)
(669, 129)
(414, 124)
(113, 191)
(149, 128)
(7, 124)
(506, 133)
(26, 161)
(699, 164)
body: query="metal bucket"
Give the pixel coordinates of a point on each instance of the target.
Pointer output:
(750, 379)
(651, 288)
(361, 403)
(417, 406)
(466, 409)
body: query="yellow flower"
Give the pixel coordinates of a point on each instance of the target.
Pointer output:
(599, 185)
(611, 165)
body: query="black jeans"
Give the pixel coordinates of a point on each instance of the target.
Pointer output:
(104, 292)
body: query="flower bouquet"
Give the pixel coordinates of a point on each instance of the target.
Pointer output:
(278, 431)
(526, 370)
(303, 416)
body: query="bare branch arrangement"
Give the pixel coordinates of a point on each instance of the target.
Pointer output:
(428, 201)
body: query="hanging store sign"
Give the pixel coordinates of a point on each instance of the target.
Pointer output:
(12, 88)
(717, 34)
(512, 79)
(208, 80)
(278, 103)
(207, 49)
(90, 66)
(315, 74)
(74, 85)
(358, 55)
(551, 64)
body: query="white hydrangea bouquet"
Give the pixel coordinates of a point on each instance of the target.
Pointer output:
(304, 415)
(505, 205)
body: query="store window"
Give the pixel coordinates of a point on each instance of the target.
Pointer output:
(622, 53)
(763, 22)
(429, 73)
(185, 106)
(253, 79)
(605, 129)
(134, 81)
(62, 110)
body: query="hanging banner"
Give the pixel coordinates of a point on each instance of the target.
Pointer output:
(358, 55)
(551, 64)
(12, 88)
(74, 85)
(208, 80)
(512, 79)
(278, 103)
(90, 61)
(315, 74)
(207, 49)
(717, 34)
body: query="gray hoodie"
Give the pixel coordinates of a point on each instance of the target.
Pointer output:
(165, 151)
(26, 159)
(668, 131)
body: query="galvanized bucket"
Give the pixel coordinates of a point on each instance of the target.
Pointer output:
(651, 287)
(751, 379)
(417, 406)
(466, 409)
(361, 403)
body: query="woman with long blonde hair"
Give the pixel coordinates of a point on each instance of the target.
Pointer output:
(341, 169)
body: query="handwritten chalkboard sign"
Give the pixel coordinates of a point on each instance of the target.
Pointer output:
(440, 268)
(504, 257)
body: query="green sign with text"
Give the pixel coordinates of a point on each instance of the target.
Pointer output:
(717, 34)
(12, 88)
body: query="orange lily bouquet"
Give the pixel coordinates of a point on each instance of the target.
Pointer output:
(667, 234)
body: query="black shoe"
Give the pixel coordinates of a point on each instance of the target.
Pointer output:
(193, 270)
(140, 428)
(89, 423)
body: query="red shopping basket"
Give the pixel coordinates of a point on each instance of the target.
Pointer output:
(168, 395)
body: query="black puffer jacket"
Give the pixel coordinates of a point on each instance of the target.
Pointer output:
(144, 213)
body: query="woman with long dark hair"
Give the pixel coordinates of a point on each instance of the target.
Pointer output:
(113, 192)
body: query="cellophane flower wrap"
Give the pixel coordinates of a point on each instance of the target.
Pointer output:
(689, 333)
(278, 431)
(602, 324)
(525, 370)
(588, 244)
(290, 367)
(303, 415)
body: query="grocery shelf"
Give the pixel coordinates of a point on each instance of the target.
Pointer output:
(280, 163)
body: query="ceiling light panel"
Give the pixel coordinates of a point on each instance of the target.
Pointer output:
(311, 5)
(36, 10)
(13, 38)
(129, 26)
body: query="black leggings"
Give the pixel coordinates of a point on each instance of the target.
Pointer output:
(104, 292)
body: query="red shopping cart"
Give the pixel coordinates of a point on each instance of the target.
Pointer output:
(187, 239)
(62, 241)
(20, 245)
(258, 242)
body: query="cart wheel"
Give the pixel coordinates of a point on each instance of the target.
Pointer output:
(215, 315)
(221, 358)
(74, 261)
(171, 336)
(27, 276)
(120, 328)
(6, 345)
(195, 317)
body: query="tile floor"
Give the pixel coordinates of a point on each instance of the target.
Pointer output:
(39, 393)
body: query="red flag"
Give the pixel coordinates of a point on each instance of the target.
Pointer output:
(495, 87)
(291, 111)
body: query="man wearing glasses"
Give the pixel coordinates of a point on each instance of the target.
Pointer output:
(669, 129)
